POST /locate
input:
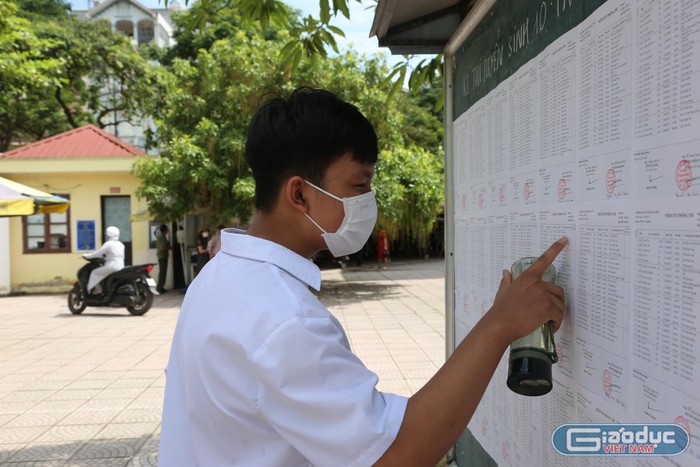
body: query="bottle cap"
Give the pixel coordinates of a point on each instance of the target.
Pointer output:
(530, 375)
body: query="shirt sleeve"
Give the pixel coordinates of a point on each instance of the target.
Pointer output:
(320, 397)
(99, 253)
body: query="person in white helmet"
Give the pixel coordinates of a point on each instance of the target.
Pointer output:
(113, 252)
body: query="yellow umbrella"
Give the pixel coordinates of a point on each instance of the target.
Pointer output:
(141, 215)
(20, 200)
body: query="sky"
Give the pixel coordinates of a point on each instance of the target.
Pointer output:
(356, 31)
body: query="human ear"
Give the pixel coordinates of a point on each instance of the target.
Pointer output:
(294, 193)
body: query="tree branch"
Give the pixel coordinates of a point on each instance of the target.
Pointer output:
(67, 112)
(114, 124)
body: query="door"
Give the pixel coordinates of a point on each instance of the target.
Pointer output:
(116, 211)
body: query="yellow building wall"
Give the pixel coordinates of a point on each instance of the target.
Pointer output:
(56, 272)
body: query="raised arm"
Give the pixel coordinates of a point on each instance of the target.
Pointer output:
(438, 413)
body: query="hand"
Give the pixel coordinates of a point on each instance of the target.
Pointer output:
(523, 305)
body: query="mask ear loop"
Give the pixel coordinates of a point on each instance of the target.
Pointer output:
(324, 191)
(316, 224)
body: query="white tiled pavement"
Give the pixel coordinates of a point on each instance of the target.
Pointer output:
(87, 390)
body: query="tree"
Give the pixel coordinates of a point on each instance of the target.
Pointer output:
(409, 184)
(423, 117)
(40, 10)
(228, 22)
(59, 72)
(103, 75)
(206, 101)
(25, 71)
(311, 36)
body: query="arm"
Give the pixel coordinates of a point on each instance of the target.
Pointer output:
(162, 243)
(438, 413)
(200, 249)
(98, 253)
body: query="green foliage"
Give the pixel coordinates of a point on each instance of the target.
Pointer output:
(102, 73)
(309, 37)
(206, 99)
(25, 72)
(202, 116)
(38, 10)
(190, 40)
(422, 124)
(59, 72)
(409, 186)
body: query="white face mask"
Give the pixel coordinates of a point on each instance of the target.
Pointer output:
(357, 225)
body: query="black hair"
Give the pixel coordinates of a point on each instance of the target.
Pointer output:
(303, 135)
(163, 228)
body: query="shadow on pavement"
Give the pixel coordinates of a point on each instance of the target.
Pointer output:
(433, 268)
(142, 451)
(357, 290)
(96, 314)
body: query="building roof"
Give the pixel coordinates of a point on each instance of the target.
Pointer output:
(418, 26)
(86, 141)
(100, 7)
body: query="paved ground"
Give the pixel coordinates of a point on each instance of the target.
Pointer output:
(87, 390)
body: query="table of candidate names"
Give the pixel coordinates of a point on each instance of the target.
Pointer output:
(596, 138)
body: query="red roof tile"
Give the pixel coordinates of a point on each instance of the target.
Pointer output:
(86, 141)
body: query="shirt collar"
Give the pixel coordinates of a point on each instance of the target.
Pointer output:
(235, 242)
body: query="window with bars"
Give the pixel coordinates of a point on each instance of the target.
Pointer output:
(145, 33)
(47, 233)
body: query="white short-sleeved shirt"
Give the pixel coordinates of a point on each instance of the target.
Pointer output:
(261, 374)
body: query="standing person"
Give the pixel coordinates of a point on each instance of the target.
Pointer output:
(202, 253)
(261, 373)
(163, 247)
(214, 244)
(113, 252)
(383, 252)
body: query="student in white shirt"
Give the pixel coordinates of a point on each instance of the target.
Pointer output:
(261, 373)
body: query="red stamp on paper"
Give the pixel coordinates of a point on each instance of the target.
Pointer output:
(561, 189)
(502, 195)
(607, 382)
(610, 181)
(484, 425)
(463, 201)
(505, 450)
(682, 421)
(684, 175)
(527, 191)
(481, 200)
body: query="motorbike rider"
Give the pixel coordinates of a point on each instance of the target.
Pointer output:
(113, 252)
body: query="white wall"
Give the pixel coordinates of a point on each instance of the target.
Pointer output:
(4, 256)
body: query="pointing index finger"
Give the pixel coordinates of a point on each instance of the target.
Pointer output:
(543, 262)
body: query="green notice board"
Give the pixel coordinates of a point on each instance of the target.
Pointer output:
(510, 35)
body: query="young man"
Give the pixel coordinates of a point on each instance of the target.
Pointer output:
(261, 374)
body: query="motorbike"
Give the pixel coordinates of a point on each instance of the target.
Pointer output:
(131, 287)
